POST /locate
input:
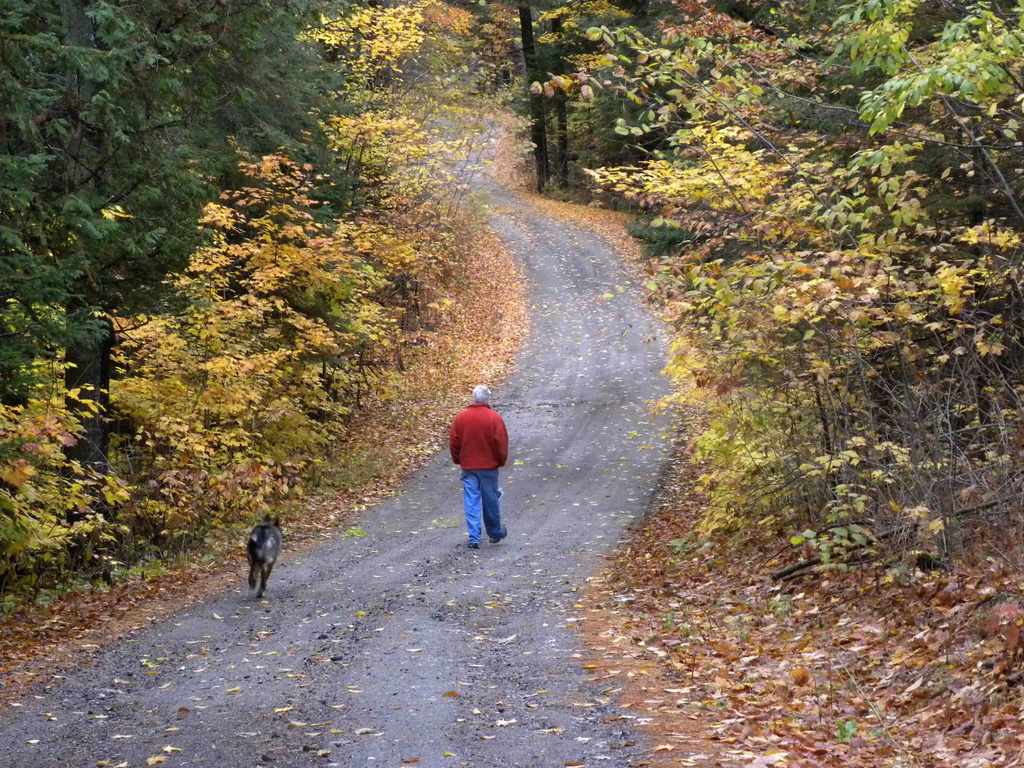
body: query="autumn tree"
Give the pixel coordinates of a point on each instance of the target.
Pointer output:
(566, 47)
(842, 185)
(116, 122)
(221, 223)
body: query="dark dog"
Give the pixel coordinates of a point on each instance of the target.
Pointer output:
(264, 547)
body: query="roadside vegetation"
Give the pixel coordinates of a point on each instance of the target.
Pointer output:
(230, 232)
(831, 202)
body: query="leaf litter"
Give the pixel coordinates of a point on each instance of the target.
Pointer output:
(867, 668)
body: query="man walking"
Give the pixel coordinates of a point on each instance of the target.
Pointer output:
(479, 444)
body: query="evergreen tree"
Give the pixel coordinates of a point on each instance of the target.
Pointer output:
(116, 120)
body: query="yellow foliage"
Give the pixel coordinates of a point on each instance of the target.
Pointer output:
(367, 40)
(292, 314)
(47, 519)
(857, 344)
(250, 379)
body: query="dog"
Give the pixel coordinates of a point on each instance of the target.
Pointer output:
(264, 546)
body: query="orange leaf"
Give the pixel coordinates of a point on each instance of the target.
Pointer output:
(801, 677)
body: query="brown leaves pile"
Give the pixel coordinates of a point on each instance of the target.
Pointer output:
(852, 669)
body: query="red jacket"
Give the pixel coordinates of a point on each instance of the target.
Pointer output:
(478, 439)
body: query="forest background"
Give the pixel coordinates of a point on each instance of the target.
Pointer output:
(227, 225)
(230, 227)
(832, 209)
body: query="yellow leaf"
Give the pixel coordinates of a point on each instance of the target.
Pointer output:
(801, 677)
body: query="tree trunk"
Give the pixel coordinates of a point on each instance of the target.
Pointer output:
(538, 127)
(88, 369)
(562, 159)
(562, 116)
(87, 355)
(78, 22)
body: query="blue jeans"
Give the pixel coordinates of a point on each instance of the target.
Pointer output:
(480, 491)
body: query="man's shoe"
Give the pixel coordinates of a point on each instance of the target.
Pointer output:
(474, 545)
(500, 536)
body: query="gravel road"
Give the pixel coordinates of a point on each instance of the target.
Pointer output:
(404, 647)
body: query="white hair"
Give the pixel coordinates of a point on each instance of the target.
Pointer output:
(481, 394)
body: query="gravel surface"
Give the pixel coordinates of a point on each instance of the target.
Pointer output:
(402, 646)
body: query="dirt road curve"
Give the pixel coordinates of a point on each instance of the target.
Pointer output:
(363, 643)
